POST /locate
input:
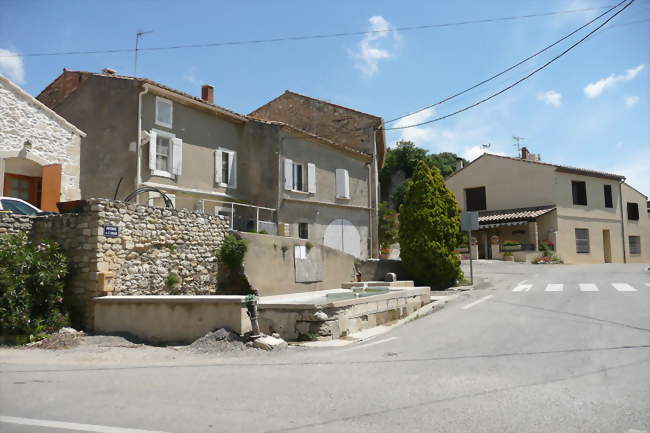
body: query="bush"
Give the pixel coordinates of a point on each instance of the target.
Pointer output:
(429, 229)
(232, 251)
(388, 226)
(511, 243)
(31, 286)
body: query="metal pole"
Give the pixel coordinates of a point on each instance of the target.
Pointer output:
(257, 225)
(471, 268)
(232, 216)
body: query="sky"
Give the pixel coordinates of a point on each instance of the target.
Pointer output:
(588, 109)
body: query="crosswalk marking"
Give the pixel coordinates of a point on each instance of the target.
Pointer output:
(647, 284)
(588, 287)
(554, 287)
(623, 287)
(521, 287)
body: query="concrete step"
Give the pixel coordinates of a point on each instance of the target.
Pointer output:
(356, 284)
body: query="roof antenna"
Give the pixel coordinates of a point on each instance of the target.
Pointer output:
(138, 35)
(518, 144)
(486, 147)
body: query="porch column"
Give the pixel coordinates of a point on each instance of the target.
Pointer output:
(533, 236)
(51, 187)
(2, 176)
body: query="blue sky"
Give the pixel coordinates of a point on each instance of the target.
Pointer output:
(590, 109)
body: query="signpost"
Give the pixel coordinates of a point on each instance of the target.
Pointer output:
(469, 222)
(110, 231)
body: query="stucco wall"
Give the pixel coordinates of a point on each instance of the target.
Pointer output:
(271, 271)
(639, 228)
(52, 141)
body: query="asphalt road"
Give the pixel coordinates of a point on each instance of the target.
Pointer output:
(537, 348)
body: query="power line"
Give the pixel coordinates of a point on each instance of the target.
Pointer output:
(518, 81)
(510, 68)
(308, 37)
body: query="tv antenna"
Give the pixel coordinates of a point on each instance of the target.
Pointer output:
(486, 146)
(138, 35)
(518, 144)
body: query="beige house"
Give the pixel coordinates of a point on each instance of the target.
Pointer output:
(587, 216)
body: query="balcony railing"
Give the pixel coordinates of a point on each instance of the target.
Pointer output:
(243, 217)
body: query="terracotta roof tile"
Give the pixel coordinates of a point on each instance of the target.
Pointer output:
(510, 215)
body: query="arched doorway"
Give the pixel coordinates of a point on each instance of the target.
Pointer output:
(342, 235)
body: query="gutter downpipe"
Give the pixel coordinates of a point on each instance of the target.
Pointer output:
(620, 196)
(138, 178)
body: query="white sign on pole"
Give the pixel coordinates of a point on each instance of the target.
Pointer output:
(469, 221)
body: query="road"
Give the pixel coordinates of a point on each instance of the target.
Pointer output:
(536, 348)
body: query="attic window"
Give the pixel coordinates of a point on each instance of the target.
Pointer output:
(475, 199)
(164, 112)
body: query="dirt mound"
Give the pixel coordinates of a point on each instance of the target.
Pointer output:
(220, 340)
(66, 338)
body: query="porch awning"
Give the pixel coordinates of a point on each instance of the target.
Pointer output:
(509, 217)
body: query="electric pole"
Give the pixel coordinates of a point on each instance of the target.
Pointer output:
(518, 140)
(138, 35)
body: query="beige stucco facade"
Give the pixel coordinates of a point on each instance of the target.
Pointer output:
(512, 184)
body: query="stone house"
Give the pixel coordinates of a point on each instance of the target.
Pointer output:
(264, 174)
(39, 150)
(588, 216)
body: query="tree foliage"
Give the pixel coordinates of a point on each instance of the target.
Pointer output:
(429, 229)
(404, 157)
(232, 251)
(31, 286)
(388, 232)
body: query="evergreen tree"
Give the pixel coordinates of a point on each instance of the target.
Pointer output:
(429, 228)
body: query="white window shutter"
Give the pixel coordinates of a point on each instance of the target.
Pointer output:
(153, 140)
(177, 156)
(311, 178)
(232, 169)
(346, 184)
(288, 174)
(217, 167)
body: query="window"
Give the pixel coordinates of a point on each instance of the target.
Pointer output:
(298, 181)
(164, 109)
(582, 240)
(579, 190)
(475, 199)
(303, 230)
(18, 207)
(165, 154)
(225, 168)
(633, 211)
(342, 183)
(635, 244)
(608, 196)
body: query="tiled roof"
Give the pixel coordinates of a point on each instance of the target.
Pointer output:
(561, 168)
(510, 215)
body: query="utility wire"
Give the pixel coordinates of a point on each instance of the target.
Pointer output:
(307, 37)
(518, 81)
(449, 98)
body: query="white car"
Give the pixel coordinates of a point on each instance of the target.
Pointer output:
(18, 206)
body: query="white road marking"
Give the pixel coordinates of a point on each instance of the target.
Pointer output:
(484, 298)
(521, 287)
(554, 287)
(623, 287)
(71, 425)
(588, 287)
(647, 284)
(363, 346)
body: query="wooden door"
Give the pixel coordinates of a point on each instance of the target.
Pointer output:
(23, 187)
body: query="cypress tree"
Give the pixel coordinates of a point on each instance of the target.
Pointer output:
(429, 228)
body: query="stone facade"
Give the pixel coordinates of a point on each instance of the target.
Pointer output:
(149, 245)
(29, 130)
(11, 224)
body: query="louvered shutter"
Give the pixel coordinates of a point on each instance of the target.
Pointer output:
(232, 169)
(153, 140)
(217, 167)
(288, 174)
(342, 183)
(311, 178)
(177, 156)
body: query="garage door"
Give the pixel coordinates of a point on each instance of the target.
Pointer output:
(343, 235)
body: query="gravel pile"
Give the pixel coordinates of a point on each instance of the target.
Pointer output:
(221, 340)
(66, 338)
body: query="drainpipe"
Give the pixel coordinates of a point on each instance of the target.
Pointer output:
(376, 203)
(138, 144)
(370, 231)
(620, 196)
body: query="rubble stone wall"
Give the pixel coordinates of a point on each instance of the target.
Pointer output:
(11, 224)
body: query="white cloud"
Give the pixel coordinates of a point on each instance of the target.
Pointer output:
(550, 97)
(631, 101)
(374, 46)
(11, 66)
(594, 90)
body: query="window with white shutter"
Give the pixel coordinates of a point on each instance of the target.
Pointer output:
(177, 156)
(311, 178)
(165, 154)
(342, 183)
(288, 174)
(225, 168)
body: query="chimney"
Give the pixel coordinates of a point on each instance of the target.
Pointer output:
(524, 153)
(109, 71)
(207, 93)
(459, 164)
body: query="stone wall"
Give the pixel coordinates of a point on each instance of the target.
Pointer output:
(147, 245)
(11, 224)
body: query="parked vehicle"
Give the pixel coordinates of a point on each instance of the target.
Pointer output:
(18, 206)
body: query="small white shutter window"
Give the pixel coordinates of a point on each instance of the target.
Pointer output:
(153, 141)
(217, 167)
(288, 174)
(342, 183)
(232, 169)
(311, 178)
(177, 156)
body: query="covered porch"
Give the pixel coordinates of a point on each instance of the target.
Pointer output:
(516, 233)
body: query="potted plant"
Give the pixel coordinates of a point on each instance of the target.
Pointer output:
(384, 253)
(511, 246)
(508, 257)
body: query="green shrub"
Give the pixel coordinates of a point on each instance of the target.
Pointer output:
(388, 225)
(511, 243)
(429, 229)
(309, 245)
(172, 280)
(31, 286)
(232, 251)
